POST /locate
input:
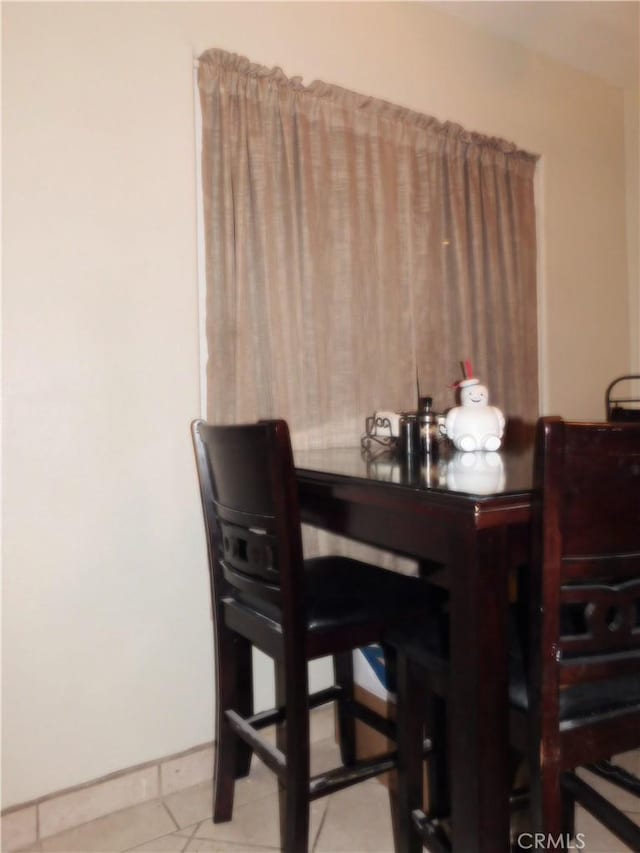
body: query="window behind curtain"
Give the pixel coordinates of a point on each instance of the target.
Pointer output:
(351, 243)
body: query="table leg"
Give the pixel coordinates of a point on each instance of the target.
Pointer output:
(478, 710)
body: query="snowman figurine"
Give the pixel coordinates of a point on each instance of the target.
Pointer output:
(474, 425)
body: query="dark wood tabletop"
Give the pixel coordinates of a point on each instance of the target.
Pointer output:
(470, 513)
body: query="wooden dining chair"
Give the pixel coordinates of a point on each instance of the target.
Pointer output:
(266, 595)
(583, 674)
(575, 661)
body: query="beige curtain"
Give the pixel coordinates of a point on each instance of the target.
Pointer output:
(351, 242)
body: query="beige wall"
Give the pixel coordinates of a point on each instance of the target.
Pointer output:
(107, 652)
(632, 151)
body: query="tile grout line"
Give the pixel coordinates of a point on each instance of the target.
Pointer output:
(190, 838)
(322, 822)
(170, 813)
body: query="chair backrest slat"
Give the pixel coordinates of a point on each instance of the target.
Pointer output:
(584, 568)
(593, 668)
(250, 552)
(610, 617)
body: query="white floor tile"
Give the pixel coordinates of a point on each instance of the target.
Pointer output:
(256, 824)
(358, 820)
(259, 783)
(597, 839)
(105, 798)
(620, 798)
(114, 833)
(191, 805)
(325, 755)
(323, 723)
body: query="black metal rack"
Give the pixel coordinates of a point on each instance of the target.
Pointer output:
(615, 405)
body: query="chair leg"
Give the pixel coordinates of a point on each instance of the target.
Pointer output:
(226, 740)
(343, 671)
(438, 763)
(547, 802)
(551, 801)
(410, 735)
(292, 737)
(244, 701)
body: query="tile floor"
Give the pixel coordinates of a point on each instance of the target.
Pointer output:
(356, 820)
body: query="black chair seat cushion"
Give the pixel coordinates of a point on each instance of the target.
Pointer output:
(341, 592)
(425, 643)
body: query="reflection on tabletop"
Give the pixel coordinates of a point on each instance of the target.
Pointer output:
(478, 473)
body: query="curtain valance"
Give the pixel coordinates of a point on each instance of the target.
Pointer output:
(239, 73)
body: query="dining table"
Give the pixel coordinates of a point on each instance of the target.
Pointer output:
(469, 515)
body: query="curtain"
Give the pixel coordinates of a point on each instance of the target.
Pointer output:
(352, 244)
